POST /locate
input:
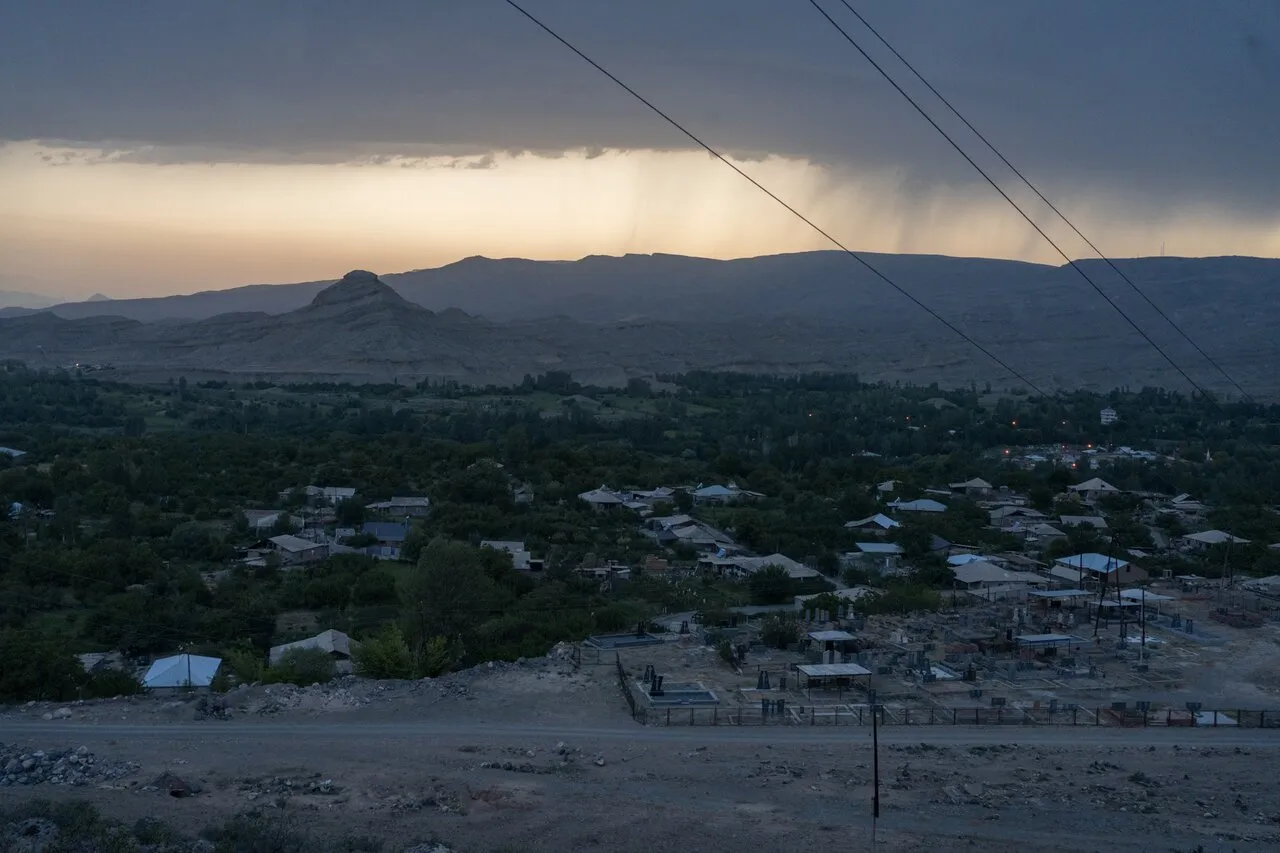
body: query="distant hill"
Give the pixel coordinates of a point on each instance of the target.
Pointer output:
(615, 317)
(23, 300)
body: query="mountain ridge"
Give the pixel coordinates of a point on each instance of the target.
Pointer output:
(612, 318)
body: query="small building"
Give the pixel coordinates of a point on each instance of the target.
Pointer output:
(181, 672)
(1185, 505)
(655, 566)
(322, 495)
(1097, 522)
(649, 499)
(1096, 568)
(1006, 517)
(723, 495)
(1044, 532)
(745, 567)
(1268, 586)
(918, 505)
(521, 559)
(987, 580)
(1145, 596)
(389, 536)
(685, 530)
(603, 499)
(826, 676)
(335, 644)
(12, 453)
(1050, 644)
(966, 559)
(878, 524)
(1207, 539)
(880, 556)
(1090, 490)
(974, 488)
(402, 507)
(262, 520)
(833, 641)
(1108, 416)
(296, 551)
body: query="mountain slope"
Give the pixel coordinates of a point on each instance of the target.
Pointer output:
(607, 319)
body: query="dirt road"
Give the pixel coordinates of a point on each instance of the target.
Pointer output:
(546, 759)
(248, 733)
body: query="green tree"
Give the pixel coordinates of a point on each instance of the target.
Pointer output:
(770, 585)
(35, 665)
(449, 594)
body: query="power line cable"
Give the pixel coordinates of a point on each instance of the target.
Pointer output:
(1022, 177)
(792, 210)
(852, 41)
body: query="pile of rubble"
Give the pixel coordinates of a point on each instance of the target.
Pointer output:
(283, 786)
(58, 767)
(567, 757)
(275, 698)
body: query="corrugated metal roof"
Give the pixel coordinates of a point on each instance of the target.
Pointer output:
(832, 670)
(182, 671)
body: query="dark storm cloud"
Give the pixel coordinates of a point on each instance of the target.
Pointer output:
(1159, 99)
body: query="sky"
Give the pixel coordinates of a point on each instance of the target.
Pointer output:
(157, 147)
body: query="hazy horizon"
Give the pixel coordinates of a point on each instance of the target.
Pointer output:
(170, 150)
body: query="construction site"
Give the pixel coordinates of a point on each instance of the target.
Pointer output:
(1179, 653)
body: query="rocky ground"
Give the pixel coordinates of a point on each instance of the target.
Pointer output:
(539, 757)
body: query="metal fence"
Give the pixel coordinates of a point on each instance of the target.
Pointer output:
(625, 684)
(854, 715)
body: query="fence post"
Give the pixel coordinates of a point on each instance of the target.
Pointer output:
(715, 716)
(668, 716)
(691, 716)
(931, 715)
(906, 716)
(1097, 716)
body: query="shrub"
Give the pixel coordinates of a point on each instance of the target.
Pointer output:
(434, 658)
(779, 630)
(106, 683)
(244, 662)
(385, 655)
(301, 667)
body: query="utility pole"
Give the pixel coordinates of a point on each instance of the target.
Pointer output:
(1102, 593)
(875, 765)
(1142, 617)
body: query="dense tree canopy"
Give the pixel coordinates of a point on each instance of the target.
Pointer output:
(126, 524)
